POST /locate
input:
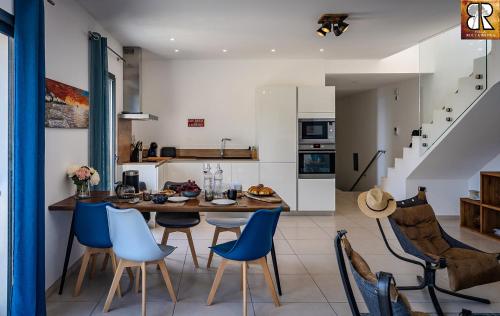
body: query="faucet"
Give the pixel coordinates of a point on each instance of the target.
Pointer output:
(223, 145)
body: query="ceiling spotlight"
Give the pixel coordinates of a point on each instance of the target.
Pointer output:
(176, 50)
(321, 50)
(320, 32)
(273, 50)
(224, 50)
(326, 27)
(343, 26)
(336, 30)
(332, 23)
(172, 39)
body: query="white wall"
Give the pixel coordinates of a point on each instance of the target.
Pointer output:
(7, 5)
(365, 124)
(66, 45)
(221, 92)
(403, 114)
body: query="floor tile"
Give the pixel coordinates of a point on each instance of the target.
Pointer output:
(216, 309)
(296, 288)
(294, 309)
(70, 308)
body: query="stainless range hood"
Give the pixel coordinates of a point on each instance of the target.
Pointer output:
(132, 86)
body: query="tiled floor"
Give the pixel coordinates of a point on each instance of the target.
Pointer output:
(309, 274)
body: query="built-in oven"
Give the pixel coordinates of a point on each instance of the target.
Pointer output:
(316, 161)
(316, 131)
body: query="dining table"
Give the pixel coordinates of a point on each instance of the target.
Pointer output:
(195, 204)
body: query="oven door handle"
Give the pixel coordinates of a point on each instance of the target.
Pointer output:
(317, 151)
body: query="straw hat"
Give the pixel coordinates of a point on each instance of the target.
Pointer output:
(376, 203)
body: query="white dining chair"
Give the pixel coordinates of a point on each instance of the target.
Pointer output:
(135, 245)
(225, 222)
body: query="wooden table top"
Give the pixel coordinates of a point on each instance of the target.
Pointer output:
(198, 204)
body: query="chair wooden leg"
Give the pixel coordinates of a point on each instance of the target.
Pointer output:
(143, 268)
(83, 269)
(137, 279)
(244, 268)
(167, 280)
(105, 262)
(218, 278)
(269, 280)
(214, 242)
(114, 285)
(93, 260)
(191, 246)
(164, 239)
(131, 278)
(113, 263)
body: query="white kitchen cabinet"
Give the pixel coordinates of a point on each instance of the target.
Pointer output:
(316, 99)
(246, 173)
(149, 173)
(316, 194)
(276, 119)
(282, 177)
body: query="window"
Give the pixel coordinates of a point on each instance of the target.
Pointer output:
(112, 132)
(5, 112)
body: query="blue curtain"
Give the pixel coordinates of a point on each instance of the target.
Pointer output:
(28, 264)
(99, 133)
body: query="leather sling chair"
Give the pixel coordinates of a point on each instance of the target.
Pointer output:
(378, 290)
(420, 235)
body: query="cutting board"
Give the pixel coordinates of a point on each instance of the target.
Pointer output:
(268, 199)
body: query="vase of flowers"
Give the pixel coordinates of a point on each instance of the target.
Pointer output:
(83, 177)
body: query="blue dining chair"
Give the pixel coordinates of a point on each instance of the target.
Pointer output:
(135, 246)
(91, 229)
(252, 246)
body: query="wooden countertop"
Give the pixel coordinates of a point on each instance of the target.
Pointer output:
(198, 204)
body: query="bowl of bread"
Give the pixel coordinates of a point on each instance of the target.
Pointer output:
(260, 190)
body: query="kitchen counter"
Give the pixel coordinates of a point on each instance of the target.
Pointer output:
(158, 161)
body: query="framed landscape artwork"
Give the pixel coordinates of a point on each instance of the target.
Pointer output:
(65, 106)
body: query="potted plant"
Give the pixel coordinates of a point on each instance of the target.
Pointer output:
(83, 177)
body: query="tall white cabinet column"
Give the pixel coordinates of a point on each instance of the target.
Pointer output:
(276, 119)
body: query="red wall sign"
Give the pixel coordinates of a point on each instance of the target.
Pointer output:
(196, 122)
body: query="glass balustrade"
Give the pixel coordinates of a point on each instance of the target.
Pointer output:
(452, 76)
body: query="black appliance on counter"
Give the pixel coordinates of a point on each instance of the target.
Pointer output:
(131, 177)
(153, 148)
(168, 152)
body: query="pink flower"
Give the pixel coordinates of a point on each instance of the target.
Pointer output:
(83, 173)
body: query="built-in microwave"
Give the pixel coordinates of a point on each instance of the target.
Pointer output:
(316, 131)
(316, 161)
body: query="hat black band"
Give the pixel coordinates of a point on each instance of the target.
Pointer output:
(383, 209)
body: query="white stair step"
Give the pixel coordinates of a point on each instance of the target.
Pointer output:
(399, 164)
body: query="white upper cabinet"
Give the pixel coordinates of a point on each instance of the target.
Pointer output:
(316, 99)
(276, 113)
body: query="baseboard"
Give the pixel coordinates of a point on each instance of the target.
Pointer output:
(54, 288)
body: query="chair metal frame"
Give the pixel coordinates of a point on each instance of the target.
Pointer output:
(384, 280)
(428, 280)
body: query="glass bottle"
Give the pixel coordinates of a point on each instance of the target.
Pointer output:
(208, 182)
(218, 177)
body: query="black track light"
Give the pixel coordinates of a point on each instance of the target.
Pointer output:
(343, 26)
(326, 27)
(333, 23)
(320, 32)
(336, 30)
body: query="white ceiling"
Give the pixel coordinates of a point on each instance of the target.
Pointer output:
(349, 84)
(251, 28)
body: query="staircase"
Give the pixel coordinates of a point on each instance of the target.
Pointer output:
(444, 117)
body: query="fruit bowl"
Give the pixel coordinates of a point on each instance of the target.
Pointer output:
(190, 194)
(159, 198)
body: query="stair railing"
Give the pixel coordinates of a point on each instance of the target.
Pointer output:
(374, 158)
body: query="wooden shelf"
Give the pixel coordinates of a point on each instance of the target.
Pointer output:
(484, 215)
